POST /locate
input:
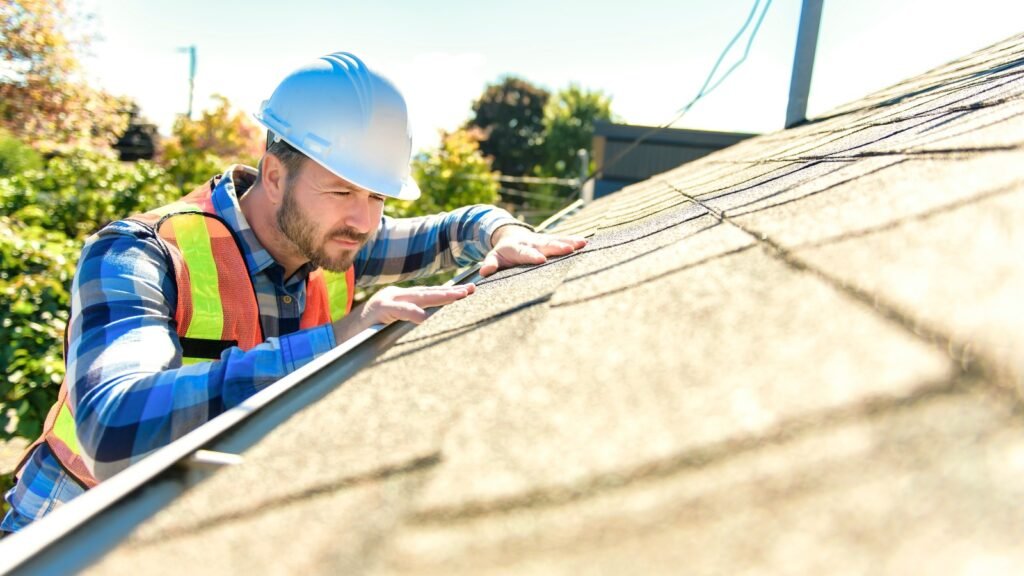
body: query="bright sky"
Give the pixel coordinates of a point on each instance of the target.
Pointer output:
(650, 56)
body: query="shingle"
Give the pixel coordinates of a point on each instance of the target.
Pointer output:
(616, 261)
(632, 369)
(957, 270)
(824, 179)
(867, 139)
(881, 198)
(993, 126)
(324, 533)
(723, 172)
(958, 74)
(928, 487)
(782, 183)
(940, 95)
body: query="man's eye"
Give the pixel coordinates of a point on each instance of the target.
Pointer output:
(378, 198)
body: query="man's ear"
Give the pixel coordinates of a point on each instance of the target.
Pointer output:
(272, 177)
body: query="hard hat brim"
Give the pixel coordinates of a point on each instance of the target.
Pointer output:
(404, 190)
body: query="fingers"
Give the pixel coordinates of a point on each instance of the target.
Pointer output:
(490, 264)
(431, 296)
(577, 242)
(528, 254)
(561, 245)
(529, 248)
(407, 311)
(552, 246)
(409, 304)
(556, 248)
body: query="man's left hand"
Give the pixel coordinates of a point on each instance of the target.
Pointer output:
(516, 245)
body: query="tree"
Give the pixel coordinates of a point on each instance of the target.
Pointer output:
(204, 147)
(569, 126)
(509, 117)
(452, 176)
(43, 99)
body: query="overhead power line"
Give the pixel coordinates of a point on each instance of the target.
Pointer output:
(706, 89)
(528, 195)
(523, 179)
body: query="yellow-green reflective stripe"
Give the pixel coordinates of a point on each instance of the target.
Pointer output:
(175, 207)
(64, 428)
(190, 361)
(337, 293)
(194, 241)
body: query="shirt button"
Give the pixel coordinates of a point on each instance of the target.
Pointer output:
(287, 299)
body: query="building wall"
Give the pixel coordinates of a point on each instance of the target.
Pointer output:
(659, 152)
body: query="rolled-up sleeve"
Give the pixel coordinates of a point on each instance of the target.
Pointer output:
(407, 248)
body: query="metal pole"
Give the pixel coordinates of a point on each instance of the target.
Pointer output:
(803, 62)
(587, 188)
(191, 75)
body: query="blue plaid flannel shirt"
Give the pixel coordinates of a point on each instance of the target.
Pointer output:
(132, 395)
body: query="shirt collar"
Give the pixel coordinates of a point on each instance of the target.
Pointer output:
(227, 189)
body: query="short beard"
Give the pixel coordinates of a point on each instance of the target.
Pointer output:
(304, 234)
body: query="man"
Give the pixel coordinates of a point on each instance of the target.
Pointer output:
(183, 312)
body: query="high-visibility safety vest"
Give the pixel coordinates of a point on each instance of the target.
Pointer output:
(217, 306)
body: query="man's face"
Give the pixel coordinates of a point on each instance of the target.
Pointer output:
(327, 218)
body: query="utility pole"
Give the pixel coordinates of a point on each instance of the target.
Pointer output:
(191, 75)
(803, 62)
(587, 186)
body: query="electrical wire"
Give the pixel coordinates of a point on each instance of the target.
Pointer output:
(528, 195)
(571, 182)
(706, 89)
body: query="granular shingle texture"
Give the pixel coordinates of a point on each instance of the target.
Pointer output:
(799, 355)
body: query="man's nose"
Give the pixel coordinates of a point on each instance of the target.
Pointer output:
(360, 217)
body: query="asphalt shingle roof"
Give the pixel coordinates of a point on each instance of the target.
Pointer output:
(801, 354)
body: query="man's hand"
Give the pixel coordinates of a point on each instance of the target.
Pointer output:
(515, 245)
(394, 303)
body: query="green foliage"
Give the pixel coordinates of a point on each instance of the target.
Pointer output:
(526, 132)
(452, 176)
(47, 215)
(48, 211)
(202, 148)
(6, 483)
(34, 299)
(569, 126)
(190, 168)
(84, 190)
(509, 116)
(15, 156)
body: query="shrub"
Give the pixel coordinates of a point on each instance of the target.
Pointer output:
(48, 214)
(15, 156)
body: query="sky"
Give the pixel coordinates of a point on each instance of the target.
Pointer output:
(649, 56)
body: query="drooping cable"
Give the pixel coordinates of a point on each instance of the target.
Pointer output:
(706, 89)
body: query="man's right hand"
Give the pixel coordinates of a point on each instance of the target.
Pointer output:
(394, 303)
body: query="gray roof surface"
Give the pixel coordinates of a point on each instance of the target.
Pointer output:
(801, 354)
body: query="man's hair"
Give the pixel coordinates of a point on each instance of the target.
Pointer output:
(288, 155)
